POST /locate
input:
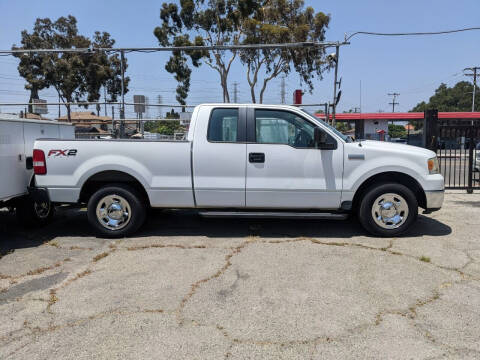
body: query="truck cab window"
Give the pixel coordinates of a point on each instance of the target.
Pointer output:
(223, 125)
(282, 127)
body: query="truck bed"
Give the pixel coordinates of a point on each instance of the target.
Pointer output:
(162, 167)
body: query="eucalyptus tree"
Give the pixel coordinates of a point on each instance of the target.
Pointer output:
(202, 22)
(283, 21)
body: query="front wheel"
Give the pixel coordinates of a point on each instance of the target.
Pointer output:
(388, 209)
(116, 211)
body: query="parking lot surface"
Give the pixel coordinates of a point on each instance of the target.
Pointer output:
(193, 288)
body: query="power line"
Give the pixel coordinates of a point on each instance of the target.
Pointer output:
(393, 103)
(347, 38)
(92, 50)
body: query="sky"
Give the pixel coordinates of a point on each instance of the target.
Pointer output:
(370, 67)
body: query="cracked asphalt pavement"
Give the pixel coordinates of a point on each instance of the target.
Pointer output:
(193, 288)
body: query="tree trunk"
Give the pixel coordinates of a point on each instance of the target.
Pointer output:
(263, 91)
(226, 95)
(252, 92)
(33, 95)
(68, 113)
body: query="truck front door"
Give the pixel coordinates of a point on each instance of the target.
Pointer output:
(284, 167)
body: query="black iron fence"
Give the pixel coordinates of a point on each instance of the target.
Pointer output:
(458, 152)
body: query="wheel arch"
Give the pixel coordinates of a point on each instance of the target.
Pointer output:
(394, 177)
(103, 178)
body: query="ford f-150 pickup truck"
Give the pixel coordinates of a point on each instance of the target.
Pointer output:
(247, 161)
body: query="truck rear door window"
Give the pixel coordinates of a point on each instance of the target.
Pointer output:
(223, 125)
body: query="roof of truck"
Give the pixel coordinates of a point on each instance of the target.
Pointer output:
(252, 105)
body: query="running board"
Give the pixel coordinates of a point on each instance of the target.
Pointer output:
(273, 215)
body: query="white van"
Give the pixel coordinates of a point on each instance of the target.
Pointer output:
(17, 136)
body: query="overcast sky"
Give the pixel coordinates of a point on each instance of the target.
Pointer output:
(412, 66)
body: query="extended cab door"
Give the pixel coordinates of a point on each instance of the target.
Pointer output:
(219, 157)
(285, 169)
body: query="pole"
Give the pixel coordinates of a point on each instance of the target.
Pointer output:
(334, 105)
(393, 103)
(122, 110)
(474, 87)
(360, 96)
(59, 105)
(283, 90)
(235, 92)
(105, 99)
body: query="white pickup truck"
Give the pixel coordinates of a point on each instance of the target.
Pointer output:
(243, 160)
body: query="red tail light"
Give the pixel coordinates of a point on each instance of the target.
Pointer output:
(39, 163)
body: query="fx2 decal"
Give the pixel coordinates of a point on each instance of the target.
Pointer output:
(67, 152)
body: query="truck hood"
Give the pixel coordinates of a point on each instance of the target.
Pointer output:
(396, 148)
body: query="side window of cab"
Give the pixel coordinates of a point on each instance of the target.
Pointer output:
(284, 127)
(223, 126)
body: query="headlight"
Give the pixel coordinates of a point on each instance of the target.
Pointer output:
(433, 166)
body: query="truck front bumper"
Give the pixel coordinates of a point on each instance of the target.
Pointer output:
(434, 199)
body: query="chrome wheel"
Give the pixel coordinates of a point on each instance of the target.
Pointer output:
(390, 211)
(42, 210)
(113, 212)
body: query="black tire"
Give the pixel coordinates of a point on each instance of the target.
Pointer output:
(365, 210)
(136, 210)
(33, 214)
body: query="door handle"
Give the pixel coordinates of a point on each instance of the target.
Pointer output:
(256, 157)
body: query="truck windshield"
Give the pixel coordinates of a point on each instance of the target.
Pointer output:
(345, 138)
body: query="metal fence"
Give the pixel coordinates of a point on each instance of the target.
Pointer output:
(459, 155)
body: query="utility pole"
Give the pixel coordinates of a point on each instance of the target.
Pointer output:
(159, 102)
(474, 73)
(105, 98)
(335, 83)
(235, 92)
(283, 91)
(122, 109)
(393, 103)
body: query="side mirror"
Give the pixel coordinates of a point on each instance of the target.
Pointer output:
(320, 138)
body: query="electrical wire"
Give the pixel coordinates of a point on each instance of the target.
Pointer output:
(347, 38)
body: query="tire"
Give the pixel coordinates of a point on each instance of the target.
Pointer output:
(116, 210)
(388, 209)
(34, 214)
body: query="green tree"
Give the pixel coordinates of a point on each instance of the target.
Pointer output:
(342, 126)
(165, 127)
(75, 76)
(397, 131)
(283, 21)
(211, 22)
(456, 98)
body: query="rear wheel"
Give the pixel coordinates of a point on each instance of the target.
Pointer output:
(34, 213)
(116, 211)
(388, 209)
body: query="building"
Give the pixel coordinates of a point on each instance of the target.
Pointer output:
(86, 118)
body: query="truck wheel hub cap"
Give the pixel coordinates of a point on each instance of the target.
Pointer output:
(113, 212)
(390, 211)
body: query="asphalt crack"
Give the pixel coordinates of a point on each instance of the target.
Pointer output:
(194, 287)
